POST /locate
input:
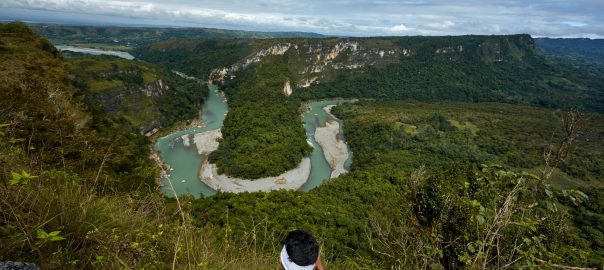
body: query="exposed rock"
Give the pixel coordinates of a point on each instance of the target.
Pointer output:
(150, 133)
(9, 265)
(207, 142)
(184, 76)
(292, 179)
(287, 89)
(307, 82)
(447, 50)
(275, 49)
(186, 140)
(317, 57)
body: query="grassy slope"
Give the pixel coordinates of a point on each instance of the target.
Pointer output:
(146, 96)
(89, 184)
(117, 84)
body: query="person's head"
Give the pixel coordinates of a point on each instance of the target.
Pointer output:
(301, 249)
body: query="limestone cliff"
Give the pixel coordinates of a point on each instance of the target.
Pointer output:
(312, 59)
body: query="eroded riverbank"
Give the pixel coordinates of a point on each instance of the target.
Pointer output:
(185, 152)
(335, 149)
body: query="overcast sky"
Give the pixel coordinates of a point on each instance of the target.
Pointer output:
(552, 18)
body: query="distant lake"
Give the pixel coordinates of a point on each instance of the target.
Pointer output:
(124, 55)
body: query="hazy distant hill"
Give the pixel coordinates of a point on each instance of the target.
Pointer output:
(133, 36)
(575, 48)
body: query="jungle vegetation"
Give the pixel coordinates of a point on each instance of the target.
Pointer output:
(145, 95)
(434, 185)
(262, 133)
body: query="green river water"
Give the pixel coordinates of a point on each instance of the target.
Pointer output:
(185, 162)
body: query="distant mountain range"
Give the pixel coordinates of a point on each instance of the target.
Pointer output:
(584, 51)
(134, 36)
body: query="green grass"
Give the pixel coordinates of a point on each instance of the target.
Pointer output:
(465, 126)
(101, 85)
(149, 77)
(409, 129)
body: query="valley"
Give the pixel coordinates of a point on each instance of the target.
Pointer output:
(210, 145)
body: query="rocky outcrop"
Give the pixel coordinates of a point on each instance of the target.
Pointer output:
(229, 72)
(306, 82)
(346, 55)
(448, 50)
(287, 89)
(317, 56)
(10, 265)
(155, 89)
(207, 142)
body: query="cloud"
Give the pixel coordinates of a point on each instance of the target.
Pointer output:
(441, 26)
(558, 18)
(399, 28)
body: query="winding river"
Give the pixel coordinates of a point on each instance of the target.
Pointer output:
(179, 153)
(177, 150)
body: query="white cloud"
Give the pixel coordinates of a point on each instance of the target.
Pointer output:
(441, 26)
(399, 28)
(349, 17)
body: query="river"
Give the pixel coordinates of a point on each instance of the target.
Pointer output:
(184, 161)
(121, 54)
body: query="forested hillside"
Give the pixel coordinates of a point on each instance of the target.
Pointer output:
(506, 69)
(146, 96)
(262, 133)
(77, 188)
(445, 185)
(425, 190)
(472, 68)
(462, 68)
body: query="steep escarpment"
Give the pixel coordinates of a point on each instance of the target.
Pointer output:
(311, 60)
(144, 95)
(48, 115)
(463, 68)
(277, 73)
(469, 68)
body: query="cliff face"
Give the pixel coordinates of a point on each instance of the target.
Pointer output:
(465, 68)
(137, 102)
(123, 88)
(313, 61)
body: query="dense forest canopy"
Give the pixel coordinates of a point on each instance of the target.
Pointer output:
(466, 68)
(460, 68)
(439, 184)
(262, 133)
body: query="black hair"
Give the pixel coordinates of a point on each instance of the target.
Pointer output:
(301, 247)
